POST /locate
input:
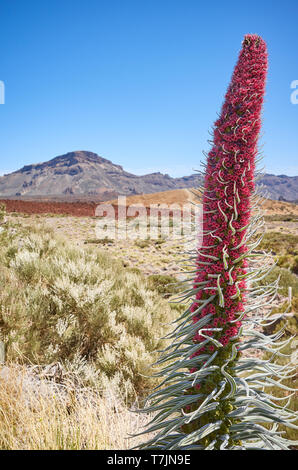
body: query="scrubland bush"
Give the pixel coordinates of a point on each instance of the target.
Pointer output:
(280, 243)
(284, 246)
(143, 243)
(99, 241)
(281, 218)
(64, 303)
(164, 284)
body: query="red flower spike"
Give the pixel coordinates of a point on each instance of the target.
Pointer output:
(228, 186)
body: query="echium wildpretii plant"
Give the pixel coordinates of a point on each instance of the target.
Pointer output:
(213, 396)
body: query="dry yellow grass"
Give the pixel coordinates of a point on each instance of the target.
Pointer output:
(41, 415)
(184, 196)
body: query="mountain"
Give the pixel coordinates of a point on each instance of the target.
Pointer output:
(281, 187)
(84, 174)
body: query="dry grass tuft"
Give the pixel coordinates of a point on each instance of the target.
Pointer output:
(38, 414)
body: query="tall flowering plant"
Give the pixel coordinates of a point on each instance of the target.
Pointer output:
(213, 396)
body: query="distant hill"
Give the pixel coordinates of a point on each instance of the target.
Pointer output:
(82, 174)
(184, 196)
(281, 187)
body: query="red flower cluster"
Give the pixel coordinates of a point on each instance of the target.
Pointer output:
(228, 186)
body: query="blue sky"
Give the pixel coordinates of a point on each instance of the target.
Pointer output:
(138, 82)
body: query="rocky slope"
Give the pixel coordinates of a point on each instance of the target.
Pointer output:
(81, 174)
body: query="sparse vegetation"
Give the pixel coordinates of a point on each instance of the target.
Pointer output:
(286, 280)
(215, 396)
(280, 243)
(98, 241)
(281, 218)
(165, 285)
(2, 212)
(143, 243)
(147, 243)
(291, 330)
(29, 300)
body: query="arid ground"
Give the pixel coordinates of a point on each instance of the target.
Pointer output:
(76, 221)
(81, 317)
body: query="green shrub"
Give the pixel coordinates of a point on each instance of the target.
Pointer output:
(65, 303)
(281, 218)
(98, 241)
(287, 279)
(294, 267)
(143, 243)
(291, 330)
(284, 261)
(2, 212)
(163, 284)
